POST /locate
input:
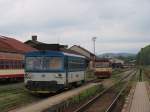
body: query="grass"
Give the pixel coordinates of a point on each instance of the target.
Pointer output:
(14, 95)
(146, 72)
(117, 74)
(118, 71)
(86, 94)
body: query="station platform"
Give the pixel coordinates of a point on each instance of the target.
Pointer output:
(140, 101)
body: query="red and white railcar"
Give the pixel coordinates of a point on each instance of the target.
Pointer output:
(11, 66)
(103, 68)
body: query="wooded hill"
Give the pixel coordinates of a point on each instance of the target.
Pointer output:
(143, 57)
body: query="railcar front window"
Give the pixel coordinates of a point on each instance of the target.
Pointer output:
(44, 63)
(34, 63)
(101, 65)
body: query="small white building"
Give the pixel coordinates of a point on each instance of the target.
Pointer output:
(117, 63)
(115, 60)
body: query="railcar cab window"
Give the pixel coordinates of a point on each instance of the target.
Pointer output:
(101, 64)
(44, 63)
(34, 63)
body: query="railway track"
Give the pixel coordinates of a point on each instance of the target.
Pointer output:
(86, 107)
(112, 105)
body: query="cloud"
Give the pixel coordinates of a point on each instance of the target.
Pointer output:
(77, 21)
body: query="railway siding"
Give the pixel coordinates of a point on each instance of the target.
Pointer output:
(55, 100)
(101, 102)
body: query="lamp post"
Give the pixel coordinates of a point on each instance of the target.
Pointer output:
(94, 39)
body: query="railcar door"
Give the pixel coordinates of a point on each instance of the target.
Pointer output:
(66, 69)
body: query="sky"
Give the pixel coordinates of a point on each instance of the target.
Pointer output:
(119, 25)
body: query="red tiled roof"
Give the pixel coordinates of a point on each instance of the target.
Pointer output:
(13, 45)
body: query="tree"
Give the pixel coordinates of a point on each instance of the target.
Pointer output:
(143, 57)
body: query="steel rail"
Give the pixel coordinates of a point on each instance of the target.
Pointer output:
(83, 107)
(111, 106)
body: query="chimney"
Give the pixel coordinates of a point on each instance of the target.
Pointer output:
(34, 37)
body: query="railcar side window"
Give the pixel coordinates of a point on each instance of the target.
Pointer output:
(76, 64)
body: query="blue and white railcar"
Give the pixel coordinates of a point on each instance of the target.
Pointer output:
(51, 71)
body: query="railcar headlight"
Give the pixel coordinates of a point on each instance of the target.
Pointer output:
(58, 75)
